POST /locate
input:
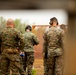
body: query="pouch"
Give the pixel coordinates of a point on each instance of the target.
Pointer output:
(54, 52)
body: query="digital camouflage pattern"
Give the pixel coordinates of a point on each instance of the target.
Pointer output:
(31, 40)
(29, 60)
(11, 37)
(53, 51)
(11, 40)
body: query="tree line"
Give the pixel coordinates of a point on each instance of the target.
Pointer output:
(18, 24)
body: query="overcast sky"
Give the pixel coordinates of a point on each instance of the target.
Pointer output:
(37, 17)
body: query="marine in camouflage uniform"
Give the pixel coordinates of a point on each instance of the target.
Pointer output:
(11, 40)
(53, 49)
(31, 40)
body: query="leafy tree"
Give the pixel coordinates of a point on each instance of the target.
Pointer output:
(2, 23)
(20, 26)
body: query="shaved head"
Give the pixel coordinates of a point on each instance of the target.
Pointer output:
(10, 22)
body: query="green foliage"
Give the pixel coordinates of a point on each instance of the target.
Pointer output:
(20, 26)
(34, 72)
(2, 23)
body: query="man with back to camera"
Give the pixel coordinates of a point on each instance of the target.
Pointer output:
(31, 40)
(53, 49)
(11, 40)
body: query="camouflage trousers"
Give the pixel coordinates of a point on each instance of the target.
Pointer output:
(28, 62)
(10, 63)
(53, 66)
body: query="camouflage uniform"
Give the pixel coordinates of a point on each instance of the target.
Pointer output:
(30, 40)
(11, 40)
(53, 51)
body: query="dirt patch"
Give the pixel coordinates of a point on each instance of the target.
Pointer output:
(38, 66)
